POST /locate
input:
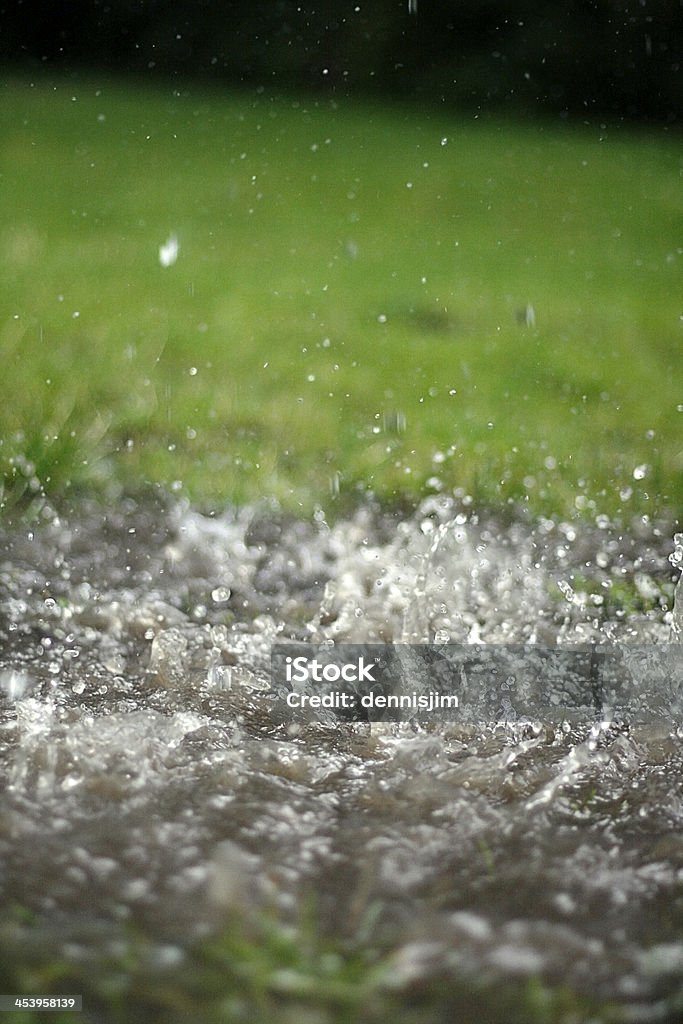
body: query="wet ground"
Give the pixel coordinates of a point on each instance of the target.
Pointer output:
(153, 800)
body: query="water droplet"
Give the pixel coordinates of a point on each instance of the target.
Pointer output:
(168, 252)
(676, 557)
(15, 684)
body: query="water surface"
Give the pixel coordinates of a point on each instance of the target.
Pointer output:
(149, 790)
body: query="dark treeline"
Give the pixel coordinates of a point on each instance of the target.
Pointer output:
(598, 57)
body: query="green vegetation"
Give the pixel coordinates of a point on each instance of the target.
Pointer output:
(365, 299)
(260, 970)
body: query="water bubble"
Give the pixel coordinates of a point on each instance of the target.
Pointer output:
(219, 595)
(640, 472)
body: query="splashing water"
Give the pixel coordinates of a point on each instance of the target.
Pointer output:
(139, 745)
(676, 559)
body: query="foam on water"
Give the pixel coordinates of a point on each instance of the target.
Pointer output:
(147, 780)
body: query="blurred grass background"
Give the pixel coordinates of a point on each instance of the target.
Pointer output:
(367, 299)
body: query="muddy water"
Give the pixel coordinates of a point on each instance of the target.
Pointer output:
(150, 789)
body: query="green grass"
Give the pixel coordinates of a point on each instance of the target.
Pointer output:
(259, 970)
(346, 312)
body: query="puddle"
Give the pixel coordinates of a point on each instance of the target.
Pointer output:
(148, 785)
